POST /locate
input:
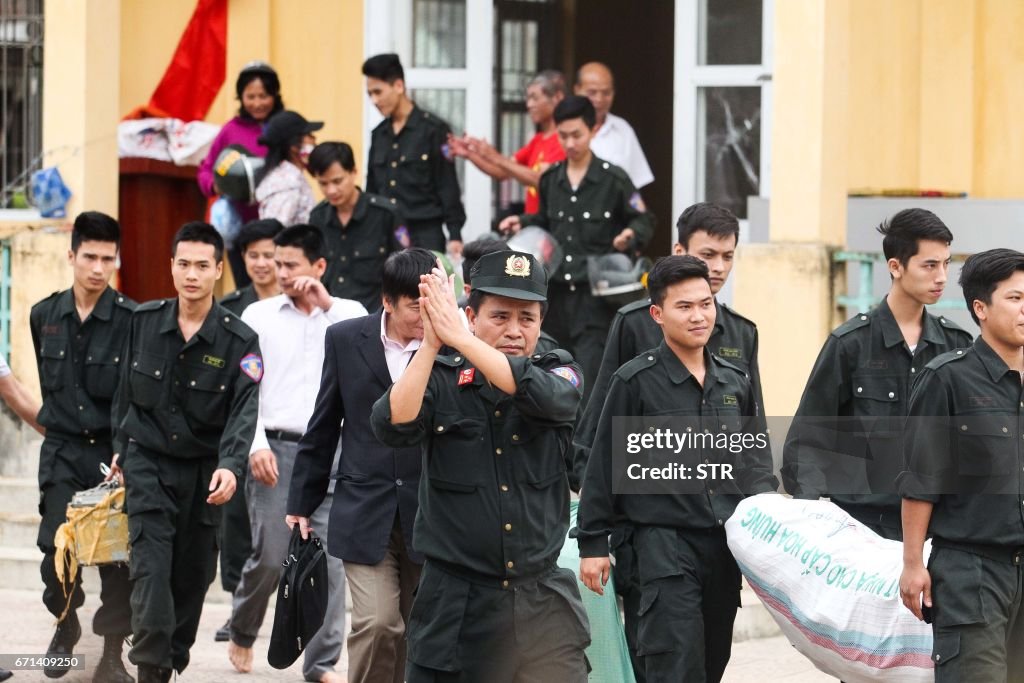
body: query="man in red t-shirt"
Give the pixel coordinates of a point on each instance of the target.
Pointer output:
(543, 93)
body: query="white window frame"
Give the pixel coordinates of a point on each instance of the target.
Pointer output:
(388, 28)
(690, 76)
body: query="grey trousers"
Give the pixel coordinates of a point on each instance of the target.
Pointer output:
(262, 571)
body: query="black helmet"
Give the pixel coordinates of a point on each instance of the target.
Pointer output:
(234, 173)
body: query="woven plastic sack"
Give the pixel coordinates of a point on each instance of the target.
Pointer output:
(608, 653)
(832, 585)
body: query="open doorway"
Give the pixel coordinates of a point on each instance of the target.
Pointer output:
(635, 40)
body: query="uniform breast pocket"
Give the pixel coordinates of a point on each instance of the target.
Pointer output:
(539, 458)
(206, 395)
(598, 234)
(876, 396)
(986, 447)
(456, 452)
(147, 380)
(53, 354)
(368, 264)
(415, 169)
(101, 372)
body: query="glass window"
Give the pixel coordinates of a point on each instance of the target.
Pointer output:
(21, 97)
(729, 132)
(439, 34)
(730, 32)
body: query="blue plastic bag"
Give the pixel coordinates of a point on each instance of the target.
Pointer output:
(49, 193)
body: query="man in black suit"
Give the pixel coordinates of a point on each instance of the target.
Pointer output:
(375, 499)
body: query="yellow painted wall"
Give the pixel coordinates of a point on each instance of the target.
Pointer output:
(316, 47)
(935, 95)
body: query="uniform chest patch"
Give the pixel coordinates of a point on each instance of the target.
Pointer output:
(214, 361)
(981, 401)
(51, 329)
(252, 365)
(466, 376)
(567, 374)
(729, 400)
(877, 365)
(729, 352)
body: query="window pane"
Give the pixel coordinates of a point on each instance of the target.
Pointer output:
(439, 34)
(449, 105)
(729, 132)
(730, 32)
(21, 97)
(518, 58)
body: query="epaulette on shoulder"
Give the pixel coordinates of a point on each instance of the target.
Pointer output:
(154, 305)
(947, 357)
(125, 301)
(616, 171)
(855, 323)
(560, 356)
(633, 367)
(46, 300)
(633, 306)
(453, 360)
(232, 323)
(735, 314)
(950, 325)
(233, 296)
(378, 202)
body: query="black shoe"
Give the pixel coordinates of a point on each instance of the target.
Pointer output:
(111, 668)
(63, 643)
(153, 674)
(5, 674)
(223, 634)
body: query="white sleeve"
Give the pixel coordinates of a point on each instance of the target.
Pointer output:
(344, 309)
(259, 439)
(636, 165)
(5, 370)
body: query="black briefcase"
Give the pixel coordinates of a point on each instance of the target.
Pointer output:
(301, 600)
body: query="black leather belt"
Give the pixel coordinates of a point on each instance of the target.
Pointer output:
(281, 435)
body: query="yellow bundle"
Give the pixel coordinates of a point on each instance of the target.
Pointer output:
(96, 531)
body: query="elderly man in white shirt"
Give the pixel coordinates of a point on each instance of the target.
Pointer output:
(291, 328)
(614, 140)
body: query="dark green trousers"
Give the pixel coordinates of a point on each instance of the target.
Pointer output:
(173, 534)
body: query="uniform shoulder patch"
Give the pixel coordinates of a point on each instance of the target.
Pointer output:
(567, 373)
(855, 323)
(636, 202)
(402, 236)
(252, 365)
(154, 305)
(632, 368)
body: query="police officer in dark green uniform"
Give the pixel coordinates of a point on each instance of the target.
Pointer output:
(255, 243)
(591, 207)
(710, 233)
(963, 485)
(410, 162)
(360, 230)
(184, 415)
(844, 441)
(689, 580)
(470, 255)
(78, 334)
(494, 421)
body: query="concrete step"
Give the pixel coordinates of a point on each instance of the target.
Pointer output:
(18, 530)
(753, 620)
(19, 495)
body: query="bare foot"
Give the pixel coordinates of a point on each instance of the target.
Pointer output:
(241, 657)
(332, 677)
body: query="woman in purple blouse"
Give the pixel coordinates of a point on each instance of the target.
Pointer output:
(259, 92)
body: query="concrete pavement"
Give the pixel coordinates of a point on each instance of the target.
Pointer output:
(26, 628)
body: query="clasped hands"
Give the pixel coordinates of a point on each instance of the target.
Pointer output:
(442, 323)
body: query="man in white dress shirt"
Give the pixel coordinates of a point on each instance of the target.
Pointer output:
(291, 327)
(614, 139)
